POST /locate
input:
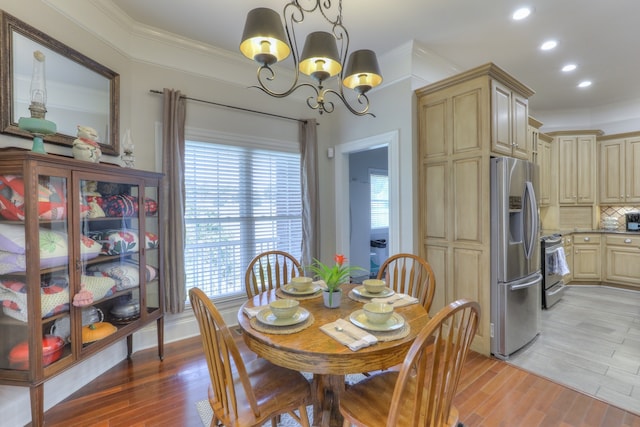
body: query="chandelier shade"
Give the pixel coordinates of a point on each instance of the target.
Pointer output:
(320, 58)
(323, 56)
(263, 39)
(363, 71)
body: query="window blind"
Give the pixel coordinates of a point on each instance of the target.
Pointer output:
(240, 201)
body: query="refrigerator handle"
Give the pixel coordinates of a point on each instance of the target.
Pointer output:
(530, 197)
(526, 284)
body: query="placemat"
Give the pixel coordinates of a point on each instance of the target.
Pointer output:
(281, 330)
(282, 294)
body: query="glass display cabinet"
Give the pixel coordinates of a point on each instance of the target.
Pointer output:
(79, 263)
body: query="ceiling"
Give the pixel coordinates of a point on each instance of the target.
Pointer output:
(601, 37)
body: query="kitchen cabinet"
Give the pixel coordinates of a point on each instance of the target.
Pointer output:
(622, 259)
(457, 138)
(544, 160)
(587, 257)
(567, 244)
(79, 264)
(619, 170)
(577, 166)
(509, 122)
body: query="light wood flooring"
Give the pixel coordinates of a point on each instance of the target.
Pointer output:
(590, 341)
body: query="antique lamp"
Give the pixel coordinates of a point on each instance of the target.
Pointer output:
(37, 124)
(265, 42)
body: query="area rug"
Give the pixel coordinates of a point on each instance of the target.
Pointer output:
(206, 413)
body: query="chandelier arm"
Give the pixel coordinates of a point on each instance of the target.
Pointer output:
(284, 94)
(362, 99)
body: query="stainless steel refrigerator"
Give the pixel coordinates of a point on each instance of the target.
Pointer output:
(515, 255)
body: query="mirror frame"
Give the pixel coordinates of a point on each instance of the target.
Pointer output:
(10, 24)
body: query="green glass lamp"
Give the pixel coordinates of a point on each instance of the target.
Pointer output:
(37, 125)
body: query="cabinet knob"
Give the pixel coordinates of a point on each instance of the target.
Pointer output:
(627, 240)
(586, 239)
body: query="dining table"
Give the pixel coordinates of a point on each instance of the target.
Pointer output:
(320, 346)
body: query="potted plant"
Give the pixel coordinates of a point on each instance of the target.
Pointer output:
(333, 277)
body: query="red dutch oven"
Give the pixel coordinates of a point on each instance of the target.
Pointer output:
(52, 347)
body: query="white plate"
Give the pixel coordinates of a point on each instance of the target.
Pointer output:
(360, 290)
(358, 318)
(289, 289)
(268, 318)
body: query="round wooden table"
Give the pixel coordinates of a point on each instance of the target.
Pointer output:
(311, 350)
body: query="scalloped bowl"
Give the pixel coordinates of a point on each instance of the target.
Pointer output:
(301, 283)
(378, 312)
(284, 308)
(374, 286)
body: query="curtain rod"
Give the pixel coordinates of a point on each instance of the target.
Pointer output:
(234, 108)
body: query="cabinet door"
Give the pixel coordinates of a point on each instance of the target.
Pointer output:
(586, 166)
(568, 251)
(612, 173)
(520, 117)
(586, 262)
(544, 161)
(34, 273)
(632, 171)
(501, 118)
(568, 170)
(115, 272)
(623, 265)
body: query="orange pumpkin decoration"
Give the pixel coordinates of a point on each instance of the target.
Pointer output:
(97, 331)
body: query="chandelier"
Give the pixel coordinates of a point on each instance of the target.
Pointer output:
(263, 41)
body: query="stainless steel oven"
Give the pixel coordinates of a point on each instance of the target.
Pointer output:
(552, 259)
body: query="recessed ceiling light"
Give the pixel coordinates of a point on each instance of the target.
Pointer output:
(585, 83)
(548, 45)
(521, 13)
(569, 67)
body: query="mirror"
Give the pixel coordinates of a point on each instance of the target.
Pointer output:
(79, 90)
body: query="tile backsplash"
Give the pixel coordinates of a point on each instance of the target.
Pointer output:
(616, 212)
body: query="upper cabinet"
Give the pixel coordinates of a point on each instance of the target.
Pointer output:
(619, 178)
(577, 167)
(543, 160)
(509, 122)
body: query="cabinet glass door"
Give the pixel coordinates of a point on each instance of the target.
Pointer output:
(34, 271)
(111, 244)
(153, 293)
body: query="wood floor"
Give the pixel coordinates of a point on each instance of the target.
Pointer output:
(147, 392)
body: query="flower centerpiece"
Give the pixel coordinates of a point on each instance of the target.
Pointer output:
(333, 276)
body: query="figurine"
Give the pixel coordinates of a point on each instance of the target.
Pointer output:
(85, 146)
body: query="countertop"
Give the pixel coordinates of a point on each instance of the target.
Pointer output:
(546, 232)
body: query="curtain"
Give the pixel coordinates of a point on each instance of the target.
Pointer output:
(309, 182)
(173, 200)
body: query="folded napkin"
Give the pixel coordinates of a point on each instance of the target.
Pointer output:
(397, 300)
(320, 283)
(252, 312)
(350, 335)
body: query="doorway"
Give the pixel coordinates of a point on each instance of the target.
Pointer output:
(355, 162)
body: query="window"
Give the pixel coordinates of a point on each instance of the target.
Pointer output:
(379, 187)
(240, 201)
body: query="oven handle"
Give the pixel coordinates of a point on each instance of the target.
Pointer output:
(519, 286)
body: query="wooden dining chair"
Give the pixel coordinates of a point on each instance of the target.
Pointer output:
(410, 274)
(245, 394)
(421, 392)
(270, 270)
